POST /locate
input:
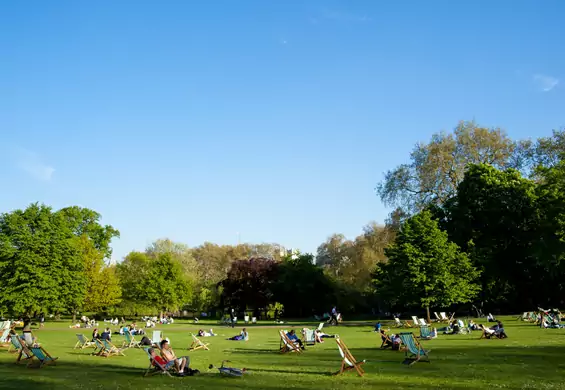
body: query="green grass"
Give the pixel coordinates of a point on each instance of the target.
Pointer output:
(530, 358)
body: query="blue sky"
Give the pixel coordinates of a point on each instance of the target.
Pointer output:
(196, 120)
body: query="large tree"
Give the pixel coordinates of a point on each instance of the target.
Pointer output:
(41, 267)
(437, 168)
(425, 269)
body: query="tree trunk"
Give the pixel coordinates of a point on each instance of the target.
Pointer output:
(74, 316)
(428, 313)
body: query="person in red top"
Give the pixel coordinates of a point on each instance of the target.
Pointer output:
(159, 360)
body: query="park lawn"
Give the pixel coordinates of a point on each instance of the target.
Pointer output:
(530, 358)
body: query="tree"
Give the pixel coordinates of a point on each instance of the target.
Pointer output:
(103, 287)
(299, 278)
(424, 268)
(437, 168)
(495, 217)
(152, 283)
(250, 283)
(86, 222)
(41, 267)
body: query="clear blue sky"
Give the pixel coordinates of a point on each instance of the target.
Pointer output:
(196, 120)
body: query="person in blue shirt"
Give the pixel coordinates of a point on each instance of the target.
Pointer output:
(377, 327)
(294, 338)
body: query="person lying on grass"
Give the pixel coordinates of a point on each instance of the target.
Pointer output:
(203, 333)
(320, 336)
(243, 336)
(294, 338)
(169, 355)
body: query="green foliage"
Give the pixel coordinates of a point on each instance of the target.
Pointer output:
(41, 267)
(425, 268)
(154, 282)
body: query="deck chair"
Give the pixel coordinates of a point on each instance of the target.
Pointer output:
(286, 345)
(415, 320)
(309, 336)
(320, 327)
(15, 343)
(397, 322)
(422, 322)
(487, 333)
(386, 341)
(246, 319)
(443, 317)
(425, 333)
(157, 337)
(4, 336)
(414, 350)
(198, 344)
(348, 362)
(111, 349)
(156, 368)
(29, 340)
(24, 353)
(83, 342)
(43, 356)
(438, 318)
(99, 348)
(451, 317)
(130, 341)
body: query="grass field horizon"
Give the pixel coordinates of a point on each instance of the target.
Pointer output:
(530, 358)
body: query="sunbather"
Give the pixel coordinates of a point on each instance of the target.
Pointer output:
(321, 335)
(203, 333)
(396, 342)
(169, 355)
(161, 361)
(294, 338)
(243, 336)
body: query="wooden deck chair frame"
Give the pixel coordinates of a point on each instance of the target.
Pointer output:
(22, 349)
(99, 348)
(425, 333)
(286, 345)
(83, 342)
(4, 337)
(385, 337)
(44, 358)
(111, 349)
(155, 368)
(130, 341)
(413, 349)
(348, 362)
(198, 344)
(489, 332)
(438, 318)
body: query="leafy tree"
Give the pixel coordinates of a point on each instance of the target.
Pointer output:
(495, 217)
(41, 267)
(424, 268)
(83, 221)
(437, 168)
(250, 283)
(152, 283)
(299, 280)
(103, 287)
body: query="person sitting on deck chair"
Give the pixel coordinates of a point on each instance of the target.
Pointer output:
(168, 354)
(499, 331)
(107, 335)
(161, 361)
(294, 338)
(387, 341)
(396, 342)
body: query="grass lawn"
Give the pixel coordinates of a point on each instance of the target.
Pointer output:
(530, 358)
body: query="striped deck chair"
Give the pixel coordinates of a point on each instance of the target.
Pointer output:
(286, 345)
(425, 333)
(4, 337)
(348, 362)
(198, 344)
(43, 356)
(15, 343)
(83, 342)
(24, 352)
(156, 368)
(99, 348)
(130, 341)
(414, 350)
(308, 336)
(111, 349)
